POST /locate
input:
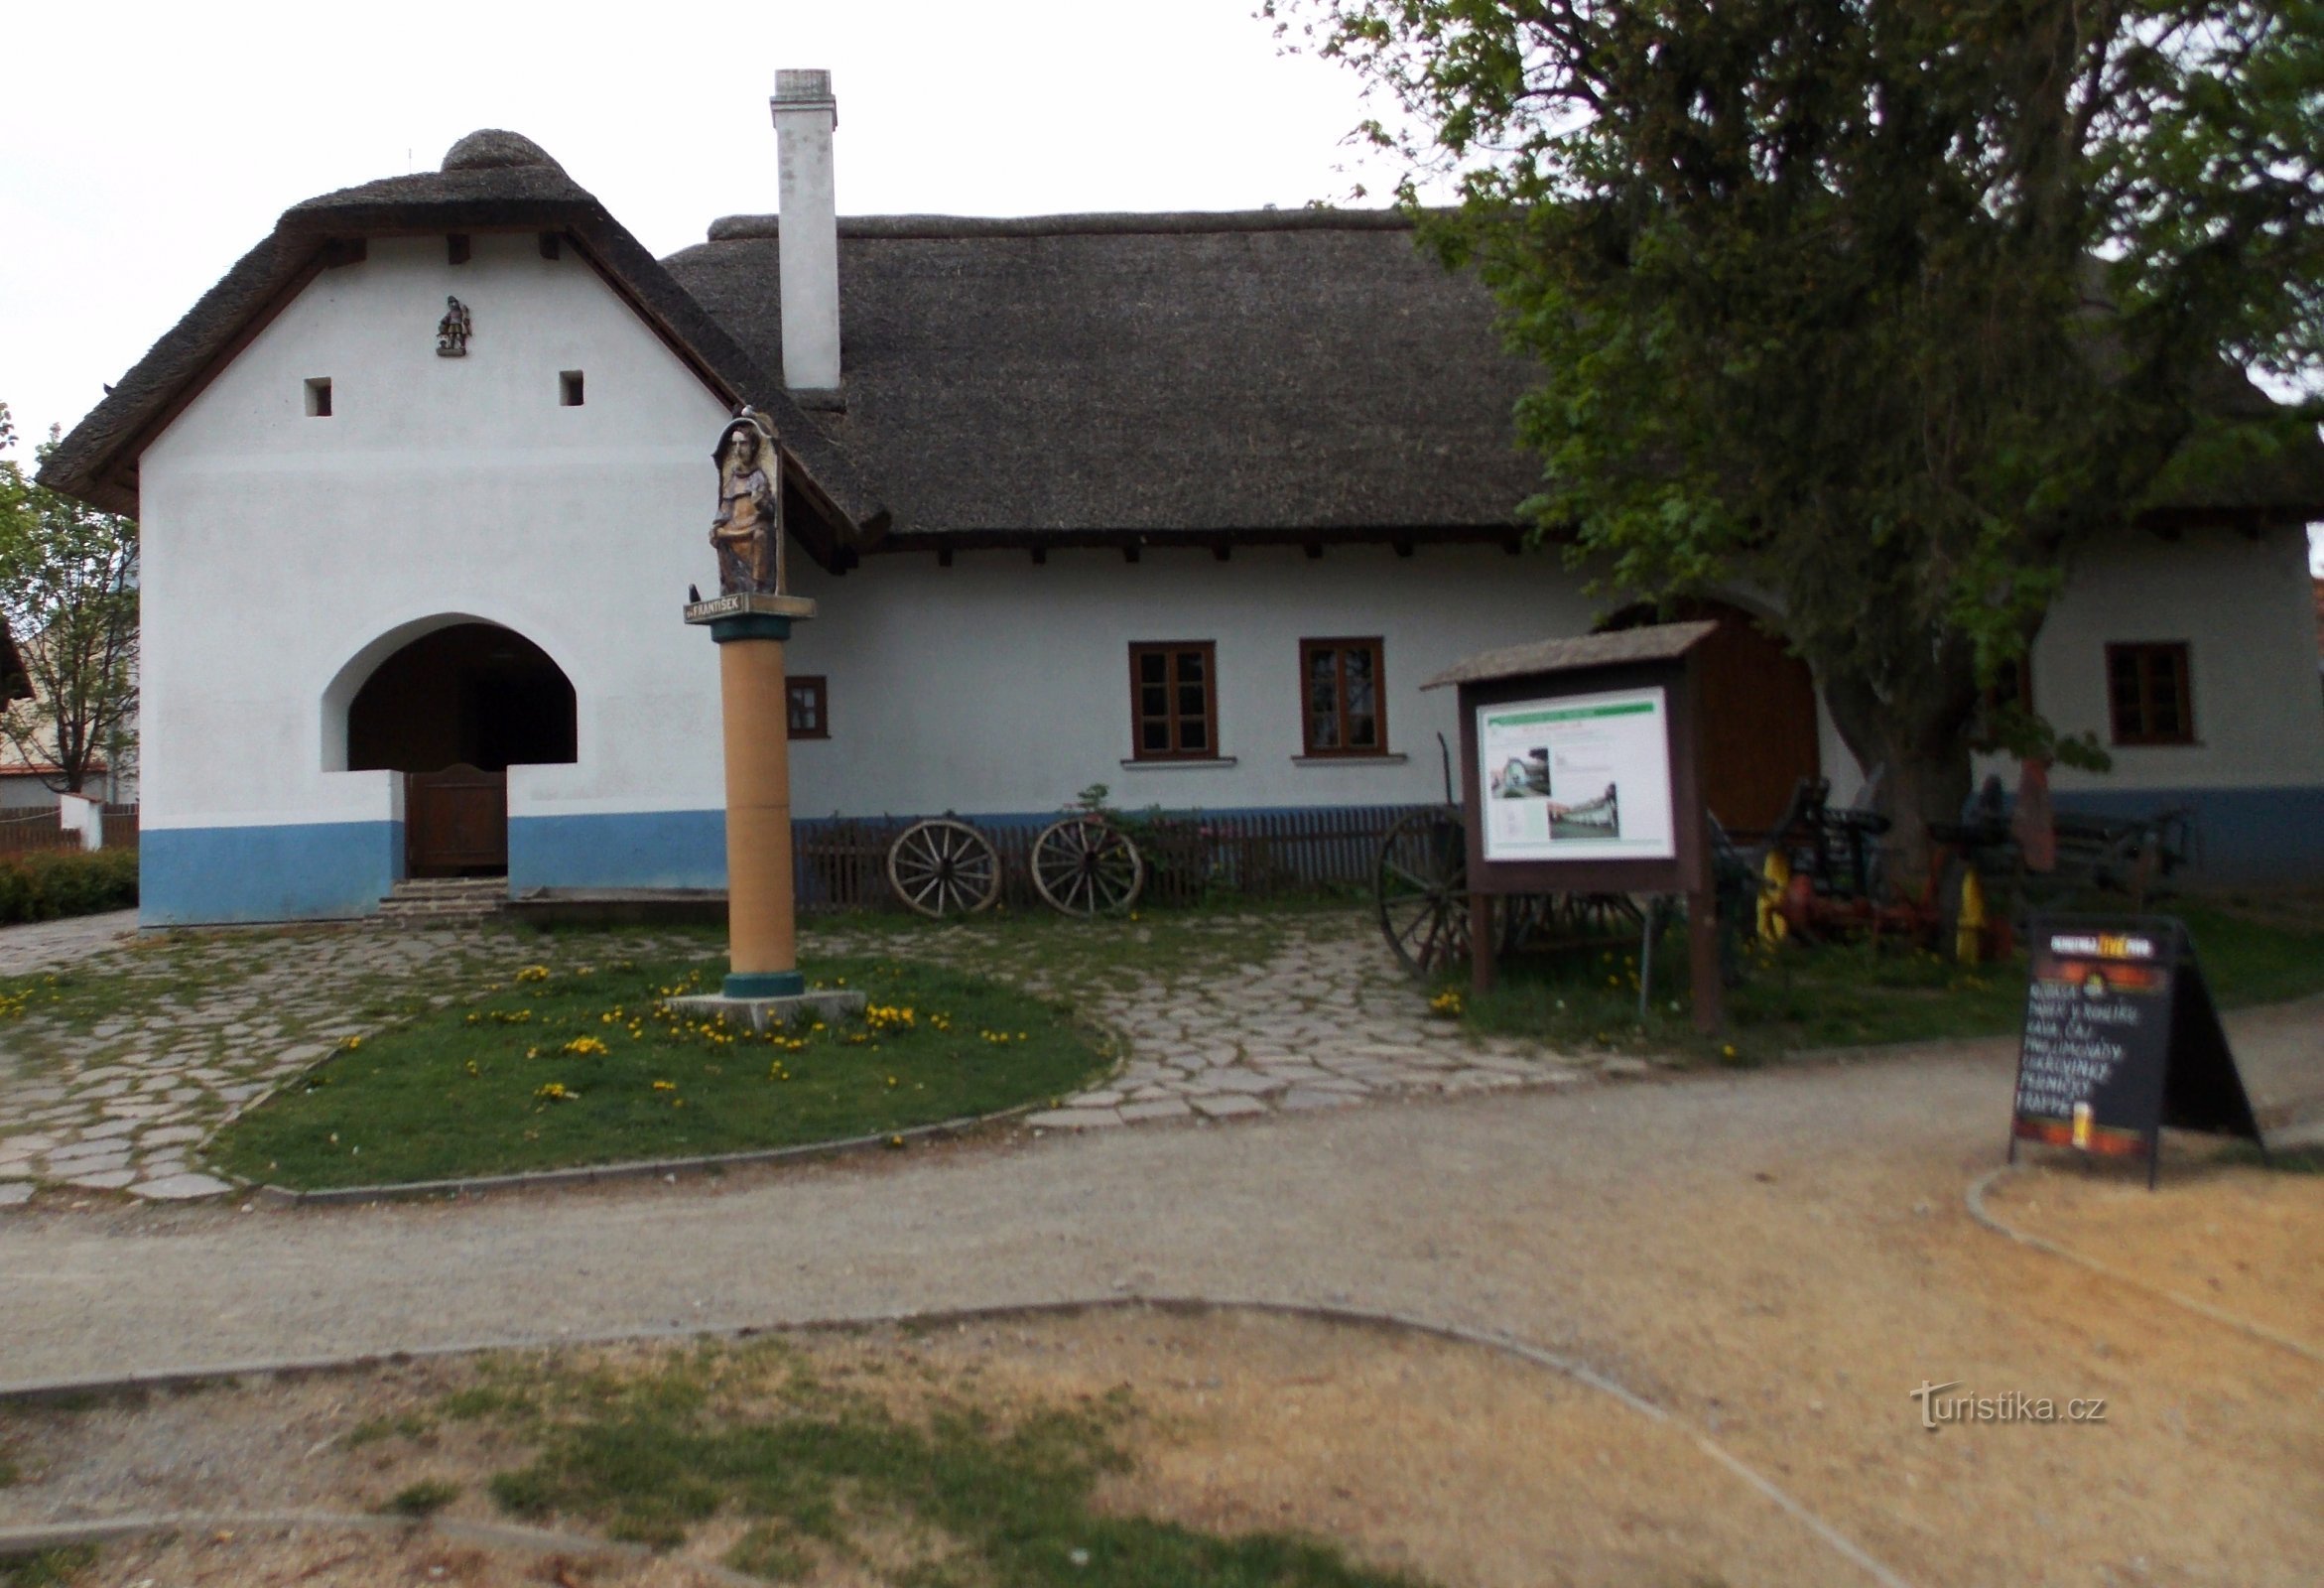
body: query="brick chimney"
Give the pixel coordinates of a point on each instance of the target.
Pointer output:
(805, 114)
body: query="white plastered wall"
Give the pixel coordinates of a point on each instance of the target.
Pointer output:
(280, 548)
(999, 685)
(2244, 608)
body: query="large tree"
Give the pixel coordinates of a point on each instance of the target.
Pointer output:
(1888, 310)
(69, 596)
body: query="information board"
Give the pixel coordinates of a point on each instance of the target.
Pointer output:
(1577, 777)
(2122, 1039)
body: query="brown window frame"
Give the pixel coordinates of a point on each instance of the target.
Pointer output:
(1380, 696)
(1209, 650)
(2139, 731)
(817, 690)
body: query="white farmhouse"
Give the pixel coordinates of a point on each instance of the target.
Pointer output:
(1187, 505)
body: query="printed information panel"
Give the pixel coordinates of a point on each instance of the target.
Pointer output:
(1580, 777)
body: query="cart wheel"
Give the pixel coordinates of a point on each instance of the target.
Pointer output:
(1421, 885)
(1084, 867)
(943, 868)
(1589, 917)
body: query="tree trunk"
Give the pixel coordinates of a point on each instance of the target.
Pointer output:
(1921, 758)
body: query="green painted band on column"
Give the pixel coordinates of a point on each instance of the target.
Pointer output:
(750, 625)
(764, 984)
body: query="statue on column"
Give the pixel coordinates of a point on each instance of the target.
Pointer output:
(748, 531)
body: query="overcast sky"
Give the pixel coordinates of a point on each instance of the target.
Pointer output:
(143, 148)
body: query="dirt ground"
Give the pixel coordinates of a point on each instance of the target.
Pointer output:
(1777, 1259)
(1455, 1462)
(1446, 1460)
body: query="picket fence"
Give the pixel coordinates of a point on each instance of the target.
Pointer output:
(29, 831)
(842, 863)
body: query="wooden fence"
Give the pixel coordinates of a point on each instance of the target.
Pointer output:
(29, 831)
(843, 863)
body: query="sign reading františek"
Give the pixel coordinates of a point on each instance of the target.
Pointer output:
(1577, 777)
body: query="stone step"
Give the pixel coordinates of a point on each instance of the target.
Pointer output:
(422, 899)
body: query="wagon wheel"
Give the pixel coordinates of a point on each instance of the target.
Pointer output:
(1596, 915)
(1084, 867)
(1421, 883)
(943, 868)
(1524, 917)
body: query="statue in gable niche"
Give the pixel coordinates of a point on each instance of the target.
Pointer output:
(748, 531)
(452, 331)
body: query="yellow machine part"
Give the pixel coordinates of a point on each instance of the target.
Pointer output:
(1969, 926)
(1775, 879)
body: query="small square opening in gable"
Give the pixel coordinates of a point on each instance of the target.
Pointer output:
(319, 399)
(569, 388)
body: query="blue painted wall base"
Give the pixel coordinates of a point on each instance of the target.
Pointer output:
(214, 876)
(2242, 835)
(642, 848)
(196, 876)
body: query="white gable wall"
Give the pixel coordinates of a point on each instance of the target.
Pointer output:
(278, 548)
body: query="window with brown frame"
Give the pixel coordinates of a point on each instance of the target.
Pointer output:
(1342, 712)
(810, 711)
(1174, 701)
(2146, 689)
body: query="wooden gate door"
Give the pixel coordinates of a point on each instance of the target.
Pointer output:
(456, 822)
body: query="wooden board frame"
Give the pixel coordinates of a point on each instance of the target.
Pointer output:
(1686, 871)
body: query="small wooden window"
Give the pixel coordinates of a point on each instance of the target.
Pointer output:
(319, 399)
(569, 388)
(1174, 701)
(809, 707)
(2147, 688)
(1340, 705)
(455, 247)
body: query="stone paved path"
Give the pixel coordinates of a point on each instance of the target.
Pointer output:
(123, 1102)
(1328, 1020)
(34, 946)
(1324, 1020)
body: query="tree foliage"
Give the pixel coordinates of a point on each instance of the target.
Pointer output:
(1888, 310)
(69, 594)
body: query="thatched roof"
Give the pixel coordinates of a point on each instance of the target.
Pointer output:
(1274, 374)
(491, 180)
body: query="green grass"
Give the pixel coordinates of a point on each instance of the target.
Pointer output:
(47, 1569)
(1845, 994)
(584, 1066)
(423, 1499)
(949, 1493)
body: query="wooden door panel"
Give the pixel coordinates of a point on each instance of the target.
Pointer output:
(456, 822)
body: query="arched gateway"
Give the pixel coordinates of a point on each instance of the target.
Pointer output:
(453, 710)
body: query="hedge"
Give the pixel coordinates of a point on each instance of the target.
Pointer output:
(47, 883)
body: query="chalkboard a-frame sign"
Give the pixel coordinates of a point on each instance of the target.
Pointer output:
(2120, 1039)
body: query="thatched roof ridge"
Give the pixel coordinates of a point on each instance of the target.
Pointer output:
(1652, 642)
(494, 189)
(1287, 375)
(1102, 223)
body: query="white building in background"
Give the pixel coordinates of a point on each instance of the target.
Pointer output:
(1186, 504)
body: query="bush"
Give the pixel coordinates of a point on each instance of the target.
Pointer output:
(47, 883)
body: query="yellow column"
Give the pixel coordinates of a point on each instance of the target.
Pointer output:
(761, 924)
